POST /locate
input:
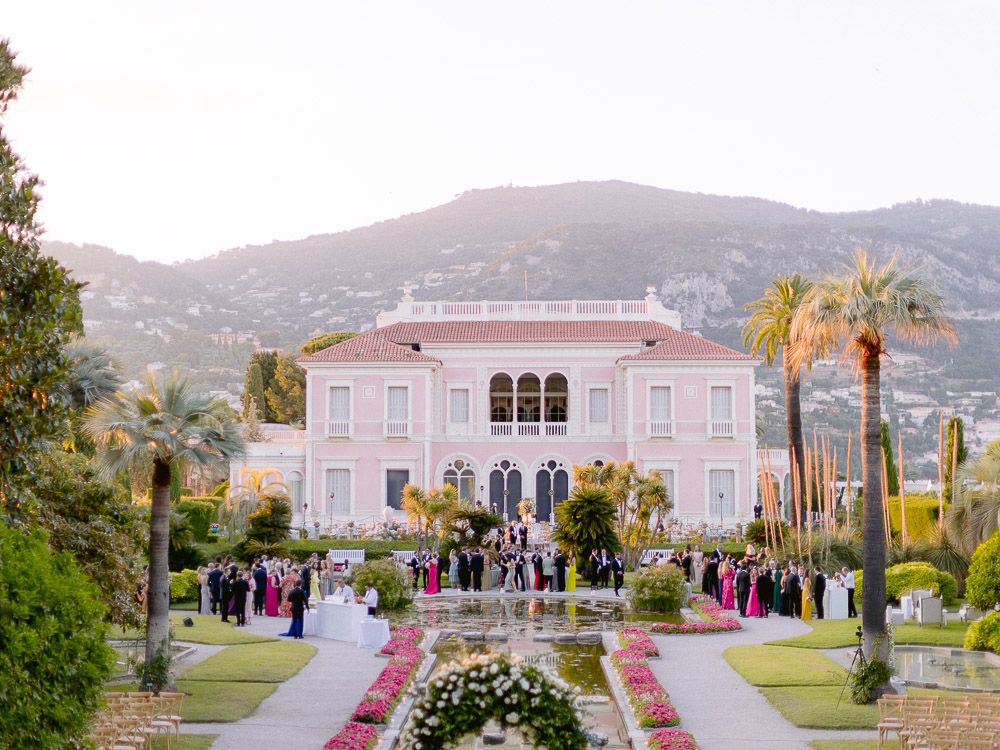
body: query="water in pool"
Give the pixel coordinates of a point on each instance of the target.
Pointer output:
(948, 668)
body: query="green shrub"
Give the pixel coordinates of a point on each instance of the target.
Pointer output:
(914, 575)
(921, 515)
(390, 582)
(184, 586)
(301, 549)
(587, 521)
(984, 634)
(221, 490)
(53, 658)
(982, 587)
(200, 514)
(657, 588)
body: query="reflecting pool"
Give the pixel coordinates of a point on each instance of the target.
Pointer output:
(948, 668)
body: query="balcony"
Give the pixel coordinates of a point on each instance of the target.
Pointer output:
(397, 429)
(340, 428)
(660, 428)
(721, 428)
(529, 429)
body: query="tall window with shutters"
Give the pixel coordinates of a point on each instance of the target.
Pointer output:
(661, 422)
(599, 411)
(458, 406)
(668, 482)
(397, 415)
(721, 493)
(339, 416)
(721, 419)
(338, 491)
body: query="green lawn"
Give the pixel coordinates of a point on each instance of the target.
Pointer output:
(816, 707)
(777, 666)
(189, 606)
(838, 633)
(222, 701)
(262, 662)
(844, 744)
(185, 742)
(207, 629)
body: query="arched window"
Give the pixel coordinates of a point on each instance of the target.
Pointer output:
(529, 398)
(551, 488)
(505, 488)
(501, 398)
(294, 483)
(556, 398)
(463, 476)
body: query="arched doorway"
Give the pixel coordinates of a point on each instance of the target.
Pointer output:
(505, 487)
(551, 488)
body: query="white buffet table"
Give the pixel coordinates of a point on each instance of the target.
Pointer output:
(373, 633)
(339, 621)
(835, 603)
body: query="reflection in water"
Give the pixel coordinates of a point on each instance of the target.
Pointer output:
(958, 669)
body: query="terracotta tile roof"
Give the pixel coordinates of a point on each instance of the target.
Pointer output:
(368, 347)
(391, 343)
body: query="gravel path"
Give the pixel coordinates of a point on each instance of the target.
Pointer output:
(717, 705)
(307, 710)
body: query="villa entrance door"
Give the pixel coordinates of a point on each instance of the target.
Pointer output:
(505, 488)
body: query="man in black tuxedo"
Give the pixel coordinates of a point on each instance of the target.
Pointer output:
(476, 565)
(226, 595)
(260, 580)
(215, 585)
(463, 570)
(793, 590)
(414, 565)
(241, 588)
(717, 553)
(595, 568)
(743, 588)
(686, 564)
(618, 570)
(425, 565)
(819, 588)
(522, 534)
(560, 564)
(710, 582)
(605, 569)
(519, 563)
(305, 573)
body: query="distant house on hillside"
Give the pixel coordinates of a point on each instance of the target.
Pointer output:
(501, 399)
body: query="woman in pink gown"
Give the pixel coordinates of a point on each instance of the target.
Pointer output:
(271, 595)
(753, 606)
(727, 575)
(432, 577)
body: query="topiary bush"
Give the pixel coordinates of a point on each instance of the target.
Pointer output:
(982, 587)
(200, 514)
(657, 588)
(53, 658)
(914, 575)
(389, 581)
(184, 586)
(984, 634)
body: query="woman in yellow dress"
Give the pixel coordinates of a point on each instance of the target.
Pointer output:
(571, 573)
(806, 596)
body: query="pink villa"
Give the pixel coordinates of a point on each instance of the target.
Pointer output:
(501, 399)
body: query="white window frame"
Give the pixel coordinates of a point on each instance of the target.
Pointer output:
(408, 385)
(731, 385)
(460, 428)
(672, 422)
(715, 465)
(599, 428)
(351, 467)
(302, 489)
(330, 385)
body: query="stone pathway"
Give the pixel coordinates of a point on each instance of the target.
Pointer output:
(307, 710)
(717, 705)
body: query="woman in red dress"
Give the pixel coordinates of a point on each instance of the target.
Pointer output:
(271, 594)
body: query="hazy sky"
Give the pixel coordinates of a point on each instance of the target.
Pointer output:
(178, 129)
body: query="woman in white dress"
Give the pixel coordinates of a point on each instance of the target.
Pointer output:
(697, 557)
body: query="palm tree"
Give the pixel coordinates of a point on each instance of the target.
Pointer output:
(854, 313)
(244, 499)
(427, 507)
(976, 512)
(92, 373)
(169, 424)
(768, 331)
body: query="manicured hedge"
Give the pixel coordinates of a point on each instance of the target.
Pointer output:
(982, 587)
(914, 575)
(984, 634)
(200, 513)
(921, 515)
(301, 549)
(184, 586)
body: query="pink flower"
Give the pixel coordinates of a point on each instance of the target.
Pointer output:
(353, 736)
(658, 714)
(671, 739)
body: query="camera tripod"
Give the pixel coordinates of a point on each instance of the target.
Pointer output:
(859, 659)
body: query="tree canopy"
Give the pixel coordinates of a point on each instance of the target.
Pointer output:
(326, 340)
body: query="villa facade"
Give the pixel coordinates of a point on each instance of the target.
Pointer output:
(502, 399)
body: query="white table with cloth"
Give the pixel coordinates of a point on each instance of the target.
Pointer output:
(835, 603)
(373, 633)
(309, 622)
(339, 621)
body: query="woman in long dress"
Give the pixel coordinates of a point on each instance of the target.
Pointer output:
(727, 575)
(432, 577)
(806, 599)
(571, 573)
(539, 579)
(453, 570)
(289, 582)
(248, 607)
(697, 557)
(753, 606)
(776, 593)
(205, 591)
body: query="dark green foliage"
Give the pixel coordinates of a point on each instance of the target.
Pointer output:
(586, 521)
(93, 521)
(984, 634)
(175, 483)
(468, 526)
(267, 528)
(657, 588)
(39, 312)
(260, 373)
(867, 680)
(391, 583)
(982, 587)
(326, 340)
(955, 431)
(892, 475)
(755, 533)
(286, 393)
(183, 585)
(183, 552)
(914, 575)
(301, 549)
(221, 490)
(200, 515)
(53, 661)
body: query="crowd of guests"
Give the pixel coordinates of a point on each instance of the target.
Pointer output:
(758, 585)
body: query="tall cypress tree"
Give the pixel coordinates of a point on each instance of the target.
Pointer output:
(955, 431)
(890, 463)
(253, 393)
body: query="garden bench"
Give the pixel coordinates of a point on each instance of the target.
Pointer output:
(351, 556)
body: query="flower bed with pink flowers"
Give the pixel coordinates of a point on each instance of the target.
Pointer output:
(714, 620)
(648, 698)
(671, 739)
(384, 694)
